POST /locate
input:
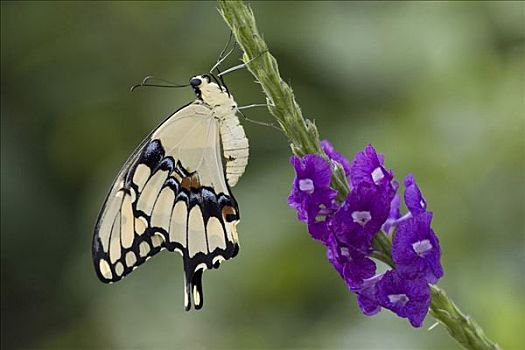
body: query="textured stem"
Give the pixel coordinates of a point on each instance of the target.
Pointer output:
(302, 133)
(304, 139)
(280, 98)
(460, 326)
(383, 249)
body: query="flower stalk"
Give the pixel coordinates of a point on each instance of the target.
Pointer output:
(382, 249)
(304, 139)
(461, 327)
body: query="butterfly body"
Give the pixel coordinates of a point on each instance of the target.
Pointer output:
(234, 141)
(173, 193)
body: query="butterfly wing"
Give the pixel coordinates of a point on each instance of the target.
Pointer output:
(171, 194)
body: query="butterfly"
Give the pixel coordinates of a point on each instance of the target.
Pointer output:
(173, 193)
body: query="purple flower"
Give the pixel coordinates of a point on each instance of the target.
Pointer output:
(336, 156)
(394, 214)
(353, 266)
(367, 166)
(406, 298)
(311, 194)
(414, 200)
(319, 219)
(311, 186)
(347, 230)
(334, 254)
(415, 249)
(362, 214)
(367, 298)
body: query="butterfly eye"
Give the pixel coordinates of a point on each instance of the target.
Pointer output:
(195, 82)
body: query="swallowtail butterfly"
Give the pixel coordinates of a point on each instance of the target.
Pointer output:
(173, 193)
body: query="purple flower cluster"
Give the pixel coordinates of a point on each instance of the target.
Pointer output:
(348, 228)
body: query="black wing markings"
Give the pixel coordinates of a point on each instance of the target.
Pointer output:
(221, 206)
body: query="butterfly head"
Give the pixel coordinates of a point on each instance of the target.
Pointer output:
(209, 90)
(199, 81)
(202, 83)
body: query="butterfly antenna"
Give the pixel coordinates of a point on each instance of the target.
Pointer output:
(226, 47)
(222, 56)
(221, 81)
(147, 82)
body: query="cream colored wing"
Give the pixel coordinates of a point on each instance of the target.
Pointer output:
(171, 193)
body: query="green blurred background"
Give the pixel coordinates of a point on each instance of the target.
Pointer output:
(437, 87)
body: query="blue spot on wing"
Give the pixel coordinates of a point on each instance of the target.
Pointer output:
(167, 164)
(153, 154)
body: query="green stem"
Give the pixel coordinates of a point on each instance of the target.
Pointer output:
(262, 64)
(301, 132)
(382, 249)
(304, 139)
(461, 327)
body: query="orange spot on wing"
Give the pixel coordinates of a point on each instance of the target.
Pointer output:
(228, 210)
(195, 181)
(192, 181)
(186, 183)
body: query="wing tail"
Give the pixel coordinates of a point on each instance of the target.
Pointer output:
(193, 290)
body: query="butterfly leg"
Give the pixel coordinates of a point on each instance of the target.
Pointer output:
(240, 66)
(271, 125)
(254, 105)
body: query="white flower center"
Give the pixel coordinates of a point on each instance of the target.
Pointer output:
(320, 218)
(377, 175)
(422, 247)
(398, 299)
(306, 185)
(344, 251)
(361, 217)
(323, 210)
